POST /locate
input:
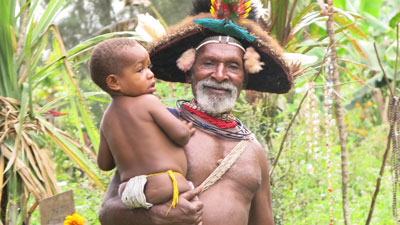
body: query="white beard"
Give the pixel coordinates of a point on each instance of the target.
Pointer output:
(213, 103)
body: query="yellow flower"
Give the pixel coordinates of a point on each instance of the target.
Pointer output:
(348, 124)
(370, 103)
(355, 130)
(74, 219)
(363, 133)
(357, 104)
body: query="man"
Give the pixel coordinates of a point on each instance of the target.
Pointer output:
(218, 68)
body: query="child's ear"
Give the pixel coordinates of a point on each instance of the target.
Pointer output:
(113, 82)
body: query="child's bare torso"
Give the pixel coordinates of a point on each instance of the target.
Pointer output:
(133, 130)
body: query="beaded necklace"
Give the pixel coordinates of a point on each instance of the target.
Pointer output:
(223, 120)
(242, 132)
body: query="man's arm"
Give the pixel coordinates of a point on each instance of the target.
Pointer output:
(178, 131)
(187, 211)
(105, 160)
(261, 209)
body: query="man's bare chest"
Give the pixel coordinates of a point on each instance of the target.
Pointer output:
(205, 153)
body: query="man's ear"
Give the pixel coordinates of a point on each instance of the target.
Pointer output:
(113, 82)
(188, 78)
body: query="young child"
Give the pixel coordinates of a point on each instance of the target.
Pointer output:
(138, 134)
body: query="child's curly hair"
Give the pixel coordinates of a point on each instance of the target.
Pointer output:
(106, 59)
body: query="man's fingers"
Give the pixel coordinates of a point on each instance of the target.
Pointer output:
(189, 195)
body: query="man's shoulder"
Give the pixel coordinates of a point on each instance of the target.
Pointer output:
(256, 145)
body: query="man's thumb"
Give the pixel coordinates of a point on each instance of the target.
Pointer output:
(189, 195)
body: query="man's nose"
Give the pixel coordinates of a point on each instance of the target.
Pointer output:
(220, 73)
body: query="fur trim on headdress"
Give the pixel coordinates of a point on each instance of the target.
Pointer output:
(252, 62)
(185, 62)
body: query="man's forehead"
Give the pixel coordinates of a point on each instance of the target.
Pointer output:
(217, 49)
(221, 40)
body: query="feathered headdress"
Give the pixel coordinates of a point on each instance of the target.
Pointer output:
(232, 10)
(223, 19)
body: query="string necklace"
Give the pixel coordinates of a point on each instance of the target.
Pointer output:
(222, 120)
(242, 132)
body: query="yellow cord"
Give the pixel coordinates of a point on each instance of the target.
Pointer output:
(175, 194)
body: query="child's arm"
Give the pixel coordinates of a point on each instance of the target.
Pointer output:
(105, 160)
(179, 132)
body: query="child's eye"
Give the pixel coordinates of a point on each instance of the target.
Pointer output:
(150, 66)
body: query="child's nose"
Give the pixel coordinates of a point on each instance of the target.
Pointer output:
(150, 74)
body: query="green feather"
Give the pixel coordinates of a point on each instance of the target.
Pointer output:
(226, 28)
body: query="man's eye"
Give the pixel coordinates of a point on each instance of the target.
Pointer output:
(233, 67)
(209, 63)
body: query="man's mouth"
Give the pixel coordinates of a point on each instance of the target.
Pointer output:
(218, 89)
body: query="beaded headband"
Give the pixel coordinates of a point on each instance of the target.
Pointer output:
(221, 40)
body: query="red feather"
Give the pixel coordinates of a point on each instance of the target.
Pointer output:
(231, 9)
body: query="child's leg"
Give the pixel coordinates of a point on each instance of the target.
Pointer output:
(159, 188)
(132, 193)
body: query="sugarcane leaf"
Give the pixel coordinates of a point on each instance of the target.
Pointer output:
(73, 152)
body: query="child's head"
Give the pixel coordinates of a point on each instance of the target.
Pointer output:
(121, 66)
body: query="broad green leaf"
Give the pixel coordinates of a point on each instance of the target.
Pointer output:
(299, 16)
(340, 4)
(279, 13)
(345, 20)
(55, 103)
(79, 104)
(307, 20)
(53, 7)
(372, 7)
(8, 78)
(395, 20)
(99, 99)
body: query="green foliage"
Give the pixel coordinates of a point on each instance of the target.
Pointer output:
(299, 184)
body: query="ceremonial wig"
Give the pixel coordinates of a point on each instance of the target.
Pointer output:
(233, 22)
(106, 59)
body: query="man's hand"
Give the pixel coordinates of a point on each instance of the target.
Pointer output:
(188, 211)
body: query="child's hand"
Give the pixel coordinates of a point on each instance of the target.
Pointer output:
(189, 125)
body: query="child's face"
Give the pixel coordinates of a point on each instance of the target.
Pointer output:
(136, 78)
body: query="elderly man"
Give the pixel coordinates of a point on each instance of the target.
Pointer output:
(225, 162)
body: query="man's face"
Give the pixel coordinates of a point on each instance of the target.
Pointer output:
(217, 77)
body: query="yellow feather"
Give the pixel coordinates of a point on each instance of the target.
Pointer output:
(247, 4)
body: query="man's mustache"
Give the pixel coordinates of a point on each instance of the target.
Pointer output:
(225, 85)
